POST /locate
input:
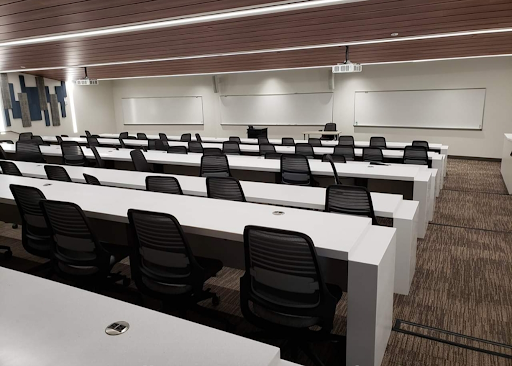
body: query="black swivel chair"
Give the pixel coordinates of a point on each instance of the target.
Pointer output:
(59, 139)
(214, 166)
(141, 136)
(212, 151)
(347, 151)
(123, 145)
(27, 151)
(3, 155)
(421, 143)
(198, 138)
(92, 180)
(92, 141)
(346, 141)
(163, 184)
(161, 145)
(329, 127)
(9, 168)
(64, 135)
(274, 156)
(350, 200)
(373, 154)
(186, 137)
(263, 140)
(315, 142)
(25, 136)
(225, 188)
(152, 144)
(267, 148)
(100, 163)
(231, 148)
(87, 133)
(6, 142)
(330, 160)
(77, 253)
(334, 158)
(72, 154)
(287, 141)
(163, 265)
(35, 234)
(415, 155)
(305, 149)
(295, 170)
(123, 135)
(55, 172)
(235, 139)
(163, 136)
(38, 140)
(177, 150)
(283, 291)
(195, 147)
(378, 142)
(139, 161)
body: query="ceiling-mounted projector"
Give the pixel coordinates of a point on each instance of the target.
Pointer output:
(347, 66)
(86, 80)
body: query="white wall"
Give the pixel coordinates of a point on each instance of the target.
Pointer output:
(493, 74)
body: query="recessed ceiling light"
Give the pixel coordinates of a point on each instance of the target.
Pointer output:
(394, 34)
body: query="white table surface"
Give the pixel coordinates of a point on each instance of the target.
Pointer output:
(46, 323)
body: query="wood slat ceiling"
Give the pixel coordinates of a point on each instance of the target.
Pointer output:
(352, 22)
(494, 44)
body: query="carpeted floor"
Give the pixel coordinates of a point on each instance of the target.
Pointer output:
(463, 281)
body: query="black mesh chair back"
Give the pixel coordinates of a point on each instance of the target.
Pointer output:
(212, 151)
(55, 172)
(130, 138)
(27, 151)
(141, 136)
(334, 158)
(10, 168)
(225, 188)
(267, 148)
(177, 150)
(214, 166)
(6, 142)
(350, 200)
(195, 147)
(59, 139)
(123, 145)
(329, 159)
(231, 148)
(421, 143)
(346, 141)
(235, 139)
(263, 140)
(415, 155)
(163, 184)
(198, 138)
(162, 263)
(87, 133)
(72, 154)
(271, 155)
(139, 161)
(378, 142)
(186, 137)
(346, 151)
(329, 127)
(287, 141)
(76, 251)
(305, 149)
(25, 136)
(35, 234)
(37, 140)
(123, 135)
(3, 155)
(315, 142)
(295, 170)
(161, 145)
(64, 135)
(373, 154)
(92, 141)
(283, 285)
(163, 136)
(92, 180)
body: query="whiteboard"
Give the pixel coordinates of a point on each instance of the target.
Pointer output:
(277, 109)
(163, 111)
(437, 109)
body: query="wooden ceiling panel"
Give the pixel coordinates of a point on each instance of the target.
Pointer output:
(467, 46)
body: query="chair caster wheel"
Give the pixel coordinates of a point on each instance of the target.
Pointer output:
(126, 282)
(7, 254)
(14, 226)
(215, 300)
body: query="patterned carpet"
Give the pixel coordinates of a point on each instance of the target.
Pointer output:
(463, 281)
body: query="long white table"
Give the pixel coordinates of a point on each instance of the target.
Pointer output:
(421, 180)
(368, 250)
(506, 162)
(404, 213)
(437, 161)
(48, 323)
